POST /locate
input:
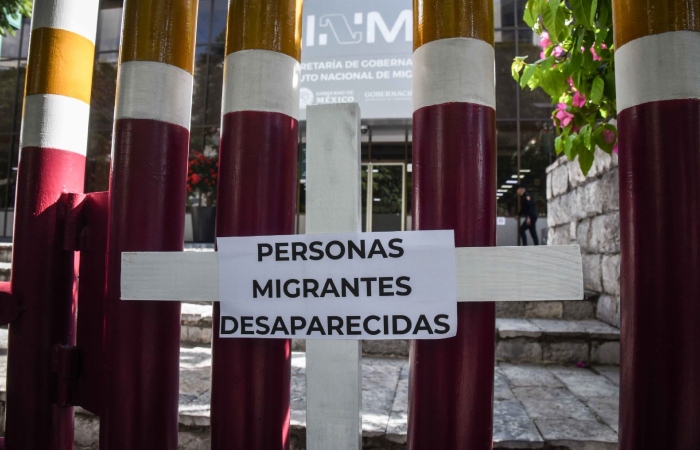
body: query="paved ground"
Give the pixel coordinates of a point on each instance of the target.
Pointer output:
(562, 406)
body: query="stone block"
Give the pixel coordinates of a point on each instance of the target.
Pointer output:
(573, 228)
(604, 234)
(501, 389)
(592, 272)
(560, 181)
(568, 352)
(577, 434)
(607, 409)
(579, 310)
(549, 187)
(559, 235)
(608, 310)
(557, 162)
(510, 309)
(544, 310)
(514, 328)
(396, 347)
(519, 350)
(584, 383)
(582, 234)
(552, 403)
(298, 345)
(605, 352)
(611, 186)
(87, 431)
(528, 375)
(611, 274)
(195, 334)
(590, 200)
(612, 373)
(601, 163)
(513, 428)
(559, 210)
(576, 177)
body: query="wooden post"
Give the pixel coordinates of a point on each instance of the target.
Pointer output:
(454, 187)
(52, 162)
(257, 196)
(147, 199)
(657, 61)
(333, 204)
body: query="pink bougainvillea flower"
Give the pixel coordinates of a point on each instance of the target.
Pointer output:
(595, 55)
(570, 81)
(542, 55)
(615, 147)
(544, 41)
(581, 365)
(564, 117)
(579, 100)
(558, 51)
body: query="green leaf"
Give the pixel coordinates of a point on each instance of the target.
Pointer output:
(569, 148)
(554, 83)
(547, 63)
(604, 14)
(584, 11)
(609, 90)
(554, 20)
(517, 66)
(585, 133)
(576, 59)
(559, 144)
(585, 160)
(597, 90)
(531, 13)
(527, 74)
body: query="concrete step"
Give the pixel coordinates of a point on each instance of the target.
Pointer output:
(5, 271)
(566, 310)
(5, 252)
(517, 340)
(545, 341)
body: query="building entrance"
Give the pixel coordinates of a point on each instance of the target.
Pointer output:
(384, 196)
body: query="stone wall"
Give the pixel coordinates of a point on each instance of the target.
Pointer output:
(585, 210)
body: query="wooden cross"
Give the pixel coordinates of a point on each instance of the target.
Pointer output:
(333, 370)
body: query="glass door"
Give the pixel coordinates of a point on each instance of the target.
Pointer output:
(384, 196)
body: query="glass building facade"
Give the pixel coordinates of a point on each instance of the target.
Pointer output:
(525, 135)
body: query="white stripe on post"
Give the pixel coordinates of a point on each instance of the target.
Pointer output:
(454, 70)
(77, 16)
(333, 204)
(55, 121)
(258, 80)
(155, 91)
(658, 67)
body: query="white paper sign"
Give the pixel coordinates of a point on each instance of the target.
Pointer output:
(399, 285)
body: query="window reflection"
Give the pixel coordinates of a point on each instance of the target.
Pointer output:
(109, 29)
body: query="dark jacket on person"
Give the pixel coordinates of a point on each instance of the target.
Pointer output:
(527, 206)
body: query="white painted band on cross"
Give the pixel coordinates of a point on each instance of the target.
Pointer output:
(484, 274)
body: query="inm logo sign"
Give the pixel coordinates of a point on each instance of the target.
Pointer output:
(358, 51)
(368, 26)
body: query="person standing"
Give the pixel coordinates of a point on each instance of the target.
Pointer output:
(528, 211)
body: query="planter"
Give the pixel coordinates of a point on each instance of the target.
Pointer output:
(203, 223)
